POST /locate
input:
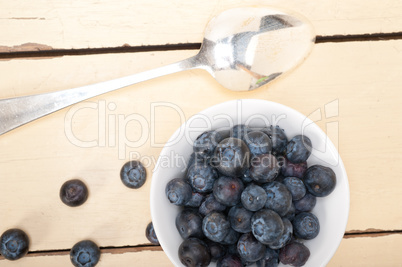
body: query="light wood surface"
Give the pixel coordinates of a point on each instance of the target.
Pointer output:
(93, 23)
(93, 139)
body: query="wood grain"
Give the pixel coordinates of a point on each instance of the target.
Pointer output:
(142, 259)
(37, 158)
(363, 251)
(368, 252)
(92, 23)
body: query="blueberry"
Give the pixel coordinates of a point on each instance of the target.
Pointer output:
(232, 249)
(246, 178)
(270, 259)
(195, 200)
(295, 254)
(298, 149)
(189, 223)
(193, 252)
(249, 248)
(279, 199)
(291, 213)
(240, 219)
(215, 226)
(267, 226)
(286, 236)
(217, 250)
(210, 204)
(198, 160)
(150, 234)
(232, 157)
(279, 178)
(227, 190)
(231, 238)
(133, 174)
(319, 180)
(307, 203)
(178, 191)
(202, 178)
(239, 130)
(290, 169)
(258, 143)
(230, 260)
(14, 244)
(206, 143)
(296, 187)
(253, 197)
(73, 193)
(306, 225)
(278, 139)
(85, 254)
(264, 168)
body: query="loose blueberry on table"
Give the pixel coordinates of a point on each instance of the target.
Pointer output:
(73, 193)
(150, 234)
(14, 244)
(85, 254)
(248, 199)
(133, 174)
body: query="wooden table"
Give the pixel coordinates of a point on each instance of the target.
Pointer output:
(47, 46)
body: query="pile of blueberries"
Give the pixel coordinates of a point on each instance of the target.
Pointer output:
(247, 198)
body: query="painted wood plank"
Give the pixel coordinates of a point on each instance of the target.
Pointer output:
(92, 140)
(369, 252)
(361, 251)
(44, 24)
(140, 259)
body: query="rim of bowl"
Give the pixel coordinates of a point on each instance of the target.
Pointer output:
(211, 110)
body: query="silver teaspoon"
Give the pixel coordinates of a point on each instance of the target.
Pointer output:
(243, 49)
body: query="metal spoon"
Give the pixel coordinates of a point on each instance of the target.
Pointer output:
(243, 49)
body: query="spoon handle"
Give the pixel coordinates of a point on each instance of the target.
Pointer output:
(18, 111)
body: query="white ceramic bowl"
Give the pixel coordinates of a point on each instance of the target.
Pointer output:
(332, 211)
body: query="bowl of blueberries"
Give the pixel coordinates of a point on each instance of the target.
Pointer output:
(249, 183)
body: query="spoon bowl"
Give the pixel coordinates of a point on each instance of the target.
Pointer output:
(243, 49)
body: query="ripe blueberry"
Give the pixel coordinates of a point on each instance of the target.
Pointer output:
(14, 244)
(227, 190)
(295, 254)
(264, 168)
(150, 234)
(319, 180)
(306, 225)
(133, 174)
(194, 253)
(298, 149)
(240, 219)
(215, 226)
(178, 191)
(295, 186)
(279, 199)
(85, 254)
(73, 193)
(278, 139)
(249, 248)
(253, 197)
(189, 223)
(206, 143)
(232, 157)
(258, 143)
(267, 226)
(202, 178)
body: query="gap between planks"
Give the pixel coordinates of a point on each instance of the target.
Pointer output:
(47, 51)
(148, 247)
